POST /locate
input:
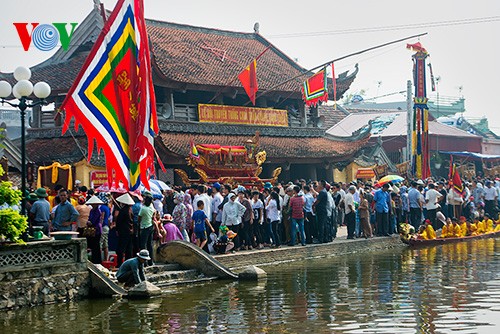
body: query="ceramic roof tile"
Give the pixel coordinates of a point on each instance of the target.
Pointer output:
(275, 147)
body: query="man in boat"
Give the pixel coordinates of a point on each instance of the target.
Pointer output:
(454, 231)
(447, 228)
(422, 233)
(488, 223)
(497, 228)
(463, 226)
(473, 226)
(481, 226)
(431, 234)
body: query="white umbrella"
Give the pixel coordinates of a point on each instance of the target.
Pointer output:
(154, 189)
(162, 185)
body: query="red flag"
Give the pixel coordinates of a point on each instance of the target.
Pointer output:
(455, 180)
(315, 89)
(248, 78)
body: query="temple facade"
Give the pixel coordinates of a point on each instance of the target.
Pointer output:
(199, 99)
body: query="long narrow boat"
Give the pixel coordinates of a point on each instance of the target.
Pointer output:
(440, 241)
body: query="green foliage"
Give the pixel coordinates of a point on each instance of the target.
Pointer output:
(8, 194)
(12, 224)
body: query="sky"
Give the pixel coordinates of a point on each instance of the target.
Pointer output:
(464, 56)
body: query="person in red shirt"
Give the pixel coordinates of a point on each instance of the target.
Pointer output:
(297, 210)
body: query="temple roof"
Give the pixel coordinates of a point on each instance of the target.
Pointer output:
(275, 147)
(188, 57)
(203, 56)
(65, 150)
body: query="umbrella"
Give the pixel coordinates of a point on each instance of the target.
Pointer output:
(389, 178)
(154, 190)
(160, 184)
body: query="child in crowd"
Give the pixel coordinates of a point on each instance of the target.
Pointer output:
(200, 221)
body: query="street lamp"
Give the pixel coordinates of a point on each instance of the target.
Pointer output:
(22, 91)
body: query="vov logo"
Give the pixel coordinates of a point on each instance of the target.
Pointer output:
(45, 36)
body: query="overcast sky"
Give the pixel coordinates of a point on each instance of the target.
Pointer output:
(463, 55)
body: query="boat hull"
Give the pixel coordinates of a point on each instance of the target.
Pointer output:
(440, 241)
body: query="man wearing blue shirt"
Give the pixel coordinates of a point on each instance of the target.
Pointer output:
(65, 213)
(382, 204)
(131, 272)
(415, 206)
(40, 211)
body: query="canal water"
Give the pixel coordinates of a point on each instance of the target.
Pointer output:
(442, 289)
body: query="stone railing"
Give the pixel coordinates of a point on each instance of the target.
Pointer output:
(42, 254)
(43, 272)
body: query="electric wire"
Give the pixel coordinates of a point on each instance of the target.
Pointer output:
(390, 27)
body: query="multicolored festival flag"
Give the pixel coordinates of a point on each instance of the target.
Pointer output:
(315, 89)
(248, 78)
(113, 98)
(420, 123)
(193, 152)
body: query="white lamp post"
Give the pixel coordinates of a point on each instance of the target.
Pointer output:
(22, 91)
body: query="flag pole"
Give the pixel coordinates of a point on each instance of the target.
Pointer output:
(338, 59)
(236, 78)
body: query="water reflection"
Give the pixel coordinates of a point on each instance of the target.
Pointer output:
(438, 289)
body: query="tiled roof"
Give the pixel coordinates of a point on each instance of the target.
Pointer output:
(187, 54)
(65, 150)
(59, 75)
(275, 147)
(332, 115)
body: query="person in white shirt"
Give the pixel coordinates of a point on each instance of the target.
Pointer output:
(432, 197)
(331, 226)
(231, 216)
(273, 217)
(490, 199)
(207, 200)
(158, 203)
(350, 212)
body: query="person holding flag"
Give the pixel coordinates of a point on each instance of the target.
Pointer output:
(455, 195)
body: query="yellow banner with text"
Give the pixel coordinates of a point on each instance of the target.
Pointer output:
(211, 113)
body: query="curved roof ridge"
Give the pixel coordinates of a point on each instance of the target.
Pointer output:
(184, 26)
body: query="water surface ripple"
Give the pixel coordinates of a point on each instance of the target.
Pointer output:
(440, 289)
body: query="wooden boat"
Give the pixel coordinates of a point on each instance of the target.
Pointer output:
(439, 241)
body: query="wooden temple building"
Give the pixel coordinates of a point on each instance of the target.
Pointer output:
(200, 99)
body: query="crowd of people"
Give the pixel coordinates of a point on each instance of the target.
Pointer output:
(222, 218)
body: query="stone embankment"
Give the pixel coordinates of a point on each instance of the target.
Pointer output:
(340, 246)
(43, 273)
